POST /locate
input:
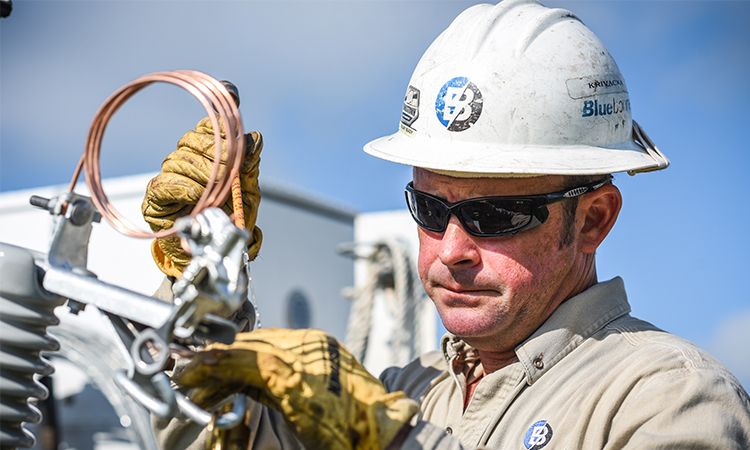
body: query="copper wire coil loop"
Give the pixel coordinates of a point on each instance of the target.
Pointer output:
(213, 96)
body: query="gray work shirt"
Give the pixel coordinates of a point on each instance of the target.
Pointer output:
(591, 377)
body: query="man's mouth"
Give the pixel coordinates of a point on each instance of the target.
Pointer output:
(452, 295)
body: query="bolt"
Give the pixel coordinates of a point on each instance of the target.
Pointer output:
(80, 213)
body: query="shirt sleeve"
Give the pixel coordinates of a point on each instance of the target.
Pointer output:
(690, 408)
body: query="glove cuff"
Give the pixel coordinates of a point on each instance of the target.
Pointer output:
(162, 261)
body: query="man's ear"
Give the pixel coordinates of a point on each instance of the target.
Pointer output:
(598, 211)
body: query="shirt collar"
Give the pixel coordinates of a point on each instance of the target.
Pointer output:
(574, 321)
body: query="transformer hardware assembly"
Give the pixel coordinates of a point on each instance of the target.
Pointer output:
(215, 280)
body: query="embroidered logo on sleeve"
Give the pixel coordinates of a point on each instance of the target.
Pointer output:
(538, 435)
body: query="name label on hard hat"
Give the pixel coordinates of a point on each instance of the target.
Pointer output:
(598, 85)
(458, 104)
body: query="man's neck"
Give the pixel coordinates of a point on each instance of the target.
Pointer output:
(492, 361)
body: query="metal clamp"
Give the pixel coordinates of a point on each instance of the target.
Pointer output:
(214, 279)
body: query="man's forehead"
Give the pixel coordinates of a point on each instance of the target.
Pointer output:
(446, 186)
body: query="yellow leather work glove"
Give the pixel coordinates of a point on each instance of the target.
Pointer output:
(175, 191)
(326, 396)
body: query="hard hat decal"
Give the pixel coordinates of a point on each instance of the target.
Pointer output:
(606, 107)
(410, 111)
(458, 104)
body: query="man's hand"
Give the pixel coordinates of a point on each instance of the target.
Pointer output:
(326, 396)
(175, 191)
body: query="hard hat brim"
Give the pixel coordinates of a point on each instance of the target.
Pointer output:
(476, 160)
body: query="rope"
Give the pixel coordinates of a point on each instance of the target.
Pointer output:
(391, 272)
(358, 326)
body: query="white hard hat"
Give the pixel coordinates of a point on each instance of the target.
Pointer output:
(518, 89)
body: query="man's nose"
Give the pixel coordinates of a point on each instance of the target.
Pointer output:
(457, 247)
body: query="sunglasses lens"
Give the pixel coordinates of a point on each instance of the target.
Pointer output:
(494, 216)
(481, 217)
(428, 212)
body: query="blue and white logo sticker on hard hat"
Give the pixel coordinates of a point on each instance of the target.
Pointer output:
(538, 435)
(458, 104)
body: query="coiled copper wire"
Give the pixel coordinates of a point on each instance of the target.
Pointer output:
(213, 96)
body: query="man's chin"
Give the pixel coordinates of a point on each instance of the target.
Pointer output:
(467, 327)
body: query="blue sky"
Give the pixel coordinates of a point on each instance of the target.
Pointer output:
(320, 79)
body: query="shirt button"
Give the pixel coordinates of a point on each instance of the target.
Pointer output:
(449, 430)
(538, 362)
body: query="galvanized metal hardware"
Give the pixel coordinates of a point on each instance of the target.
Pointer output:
(33, 285)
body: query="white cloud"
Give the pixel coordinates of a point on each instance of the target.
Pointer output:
(731, 345)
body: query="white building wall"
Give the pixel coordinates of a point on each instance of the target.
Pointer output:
(299, 254)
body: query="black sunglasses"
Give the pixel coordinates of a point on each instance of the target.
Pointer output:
(489, 216)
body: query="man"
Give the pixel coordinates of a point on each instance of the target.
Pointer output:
(513, 120)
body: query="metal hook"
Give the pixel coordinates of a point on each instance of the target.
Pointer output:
(644, 141)
(227, 420)
(160, 382)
